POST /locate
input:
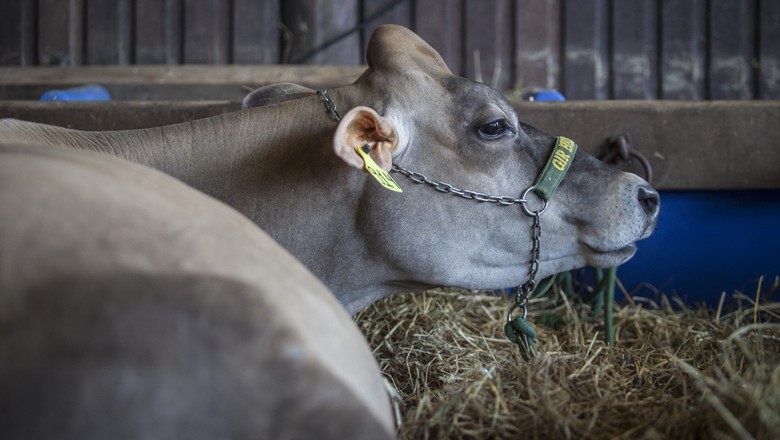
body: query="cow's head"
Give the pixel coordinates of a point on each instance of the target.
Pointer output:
(414, 112)
(422, 117)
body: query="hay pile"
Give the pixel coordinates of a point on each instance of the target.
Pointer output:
(675, 372)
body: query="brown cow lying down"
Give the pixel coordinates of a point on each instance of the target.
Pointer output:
(293, 170)
(132, 306)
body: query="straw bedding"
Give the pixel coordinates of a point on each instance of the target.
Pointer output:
(675, 372)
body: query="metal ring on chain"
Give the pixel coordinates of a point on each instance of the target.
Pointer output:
(524, 203)
(523, 305)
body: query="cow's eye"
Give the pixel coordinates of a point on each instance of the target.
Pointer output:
(493, 130)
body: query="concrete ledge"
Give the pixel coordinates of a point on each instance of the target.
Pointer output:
(187, 82)
(114, 115)
(690, 145)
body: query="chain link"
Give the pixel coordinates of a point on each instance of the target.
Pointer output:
(450, 189)
(524, 292)
(330, 106)
(536, 233)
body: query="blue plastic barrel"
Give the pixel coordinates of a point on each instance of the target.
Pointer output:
(547, 95)
(708, 242)
(92, 92)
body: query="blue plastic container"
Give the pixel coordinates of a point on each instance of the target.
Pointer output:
(708, 242)
(547, 95)
(90, 92)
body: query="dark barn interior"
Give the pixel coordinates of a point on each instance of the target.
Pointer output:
(684, 93)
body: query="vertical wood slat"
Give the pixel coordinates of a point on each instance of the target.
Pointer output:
(223, 38)
(12, 27)
(683, 49)
(109, 32)
(769, 49)
(29, 32)
(585, 63)
(488, 32)
(721, 49)
(255, 32)
(440, 23)
(538, 43)
(158, 30)
(206, 32)
(126, 51)
(315, 24)
(76, 41)
(60, 32)
(17, 32)
(386, 12)
(53, 33)
(634, 49)
(732, 49)
(150, 31)
(174, 31)
(102, 25)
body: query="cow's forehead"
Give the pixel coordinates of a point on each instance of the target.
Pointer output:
(466, 90)
(449, 92)
(468, 99)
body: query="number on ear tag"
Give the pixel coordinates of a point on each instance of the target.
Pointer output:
(379, 174)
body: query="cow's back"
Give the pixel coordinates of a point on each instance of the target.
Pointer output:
(132, 306)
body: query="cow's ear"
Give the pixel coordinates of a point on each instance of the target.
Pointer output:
(361, 126)
(393, 48)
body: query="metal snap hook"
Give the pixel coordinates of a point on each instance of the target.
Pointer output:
(516, 306)
(520, 332)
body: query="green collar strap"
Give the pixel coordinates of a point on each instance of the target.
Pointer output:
(556, 168)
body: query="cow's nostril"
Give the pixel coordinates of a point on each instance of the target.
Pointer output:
(649, 200)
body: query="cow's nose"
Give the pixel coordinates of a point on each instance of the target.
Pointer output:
(649, 200)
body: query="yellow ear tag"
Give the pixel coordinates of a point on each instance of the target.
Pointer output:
(381, 176)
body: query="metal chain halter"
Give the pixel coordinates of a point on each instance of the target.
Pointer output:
(517, 329)
(466, 194)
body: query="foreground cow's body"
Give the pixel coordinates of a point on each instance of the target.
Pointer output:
(275, 164)
(135, 307)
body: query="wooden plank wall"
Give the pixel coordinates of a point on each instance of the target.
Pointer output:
(589, 49)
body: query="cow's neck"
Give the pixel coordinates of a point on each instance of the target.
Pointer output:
(276, 166)
(208, 153)
(288, 180)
